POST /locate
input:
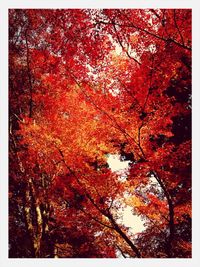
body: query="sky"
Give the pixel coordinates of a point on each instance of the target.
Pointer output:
(134, 222)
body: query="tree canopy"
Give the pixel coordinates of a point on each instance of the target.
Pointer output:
(85, 84)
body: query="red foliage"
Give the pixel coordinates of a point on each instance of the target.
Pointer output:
(85, 84)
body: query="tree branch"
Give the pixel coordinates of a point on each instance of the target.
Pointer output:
(29, 77)
(106, 213)
(132, 25)
(175, 22)
(116, 124)
(123, 235)
(171, 213)
(121, 44)
(118, 247)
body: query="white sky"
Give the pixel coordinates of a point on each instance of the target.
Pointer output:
(134, 222)
(128, 218)
(116, 165)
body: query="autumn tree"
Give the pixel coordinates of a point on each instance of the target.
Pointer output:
(85, 84)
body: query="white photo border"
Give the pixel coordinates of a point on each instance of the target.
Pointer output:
(4, 6)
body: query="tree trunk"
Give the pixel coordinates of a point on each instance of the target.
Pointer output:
(171, 215)
(124, 236)
(35, 231)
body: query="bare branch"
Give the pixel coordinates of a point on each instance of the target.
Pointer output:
(175, 22)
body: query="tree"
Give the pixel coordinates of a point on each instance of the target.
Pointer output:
(84, 84)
